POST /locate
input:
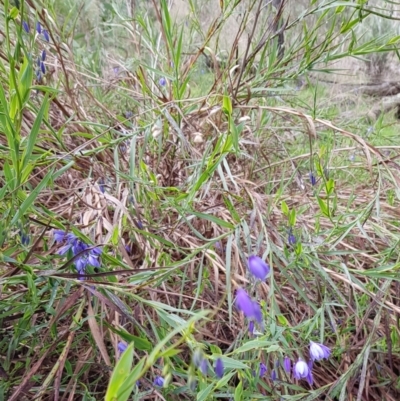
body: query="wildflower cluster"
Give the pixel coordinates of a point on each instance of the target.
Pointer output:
(40, 67)
(303, 370)
(200, 362)
(252, 310)
(87, 255)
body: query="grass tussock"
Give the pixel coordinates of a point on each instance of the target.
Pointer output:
(147, 151)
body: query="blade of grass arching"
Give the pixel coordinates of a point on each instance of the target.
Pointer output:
(228, 266)
(120, 373)
(30, 199)
(27, 153)
(11, 134)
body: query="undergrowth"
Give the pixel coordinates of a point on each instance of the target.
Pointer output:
(149, 153)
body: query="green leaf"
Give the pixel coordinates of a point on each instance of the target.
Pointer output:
(239, 392)
(214, 219)
(120, 374)
(126, 389)
(13, 13)
(292, 218)
(203, 394)
(26, 157)
(349, 25)
(230, 363)
(227, 105)
(323, 206)
(253, 344)
(285, 208)
(31, 198)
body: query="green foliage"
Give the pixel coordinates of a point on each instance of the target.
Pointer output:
(181, 141)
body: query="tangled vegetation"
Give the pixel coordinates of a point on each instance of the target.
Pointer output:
(199, 200)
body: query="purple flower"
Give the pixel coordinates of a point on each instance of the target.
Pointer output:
(258, 267)
(302, 370)
(162, 81)
(42, 67)
(159, 381)
(203, 366)
(263, 369)
(251, 327)
(101, 185)
(273, 375)
(197, 358)
(38, 28)
(291, 238)
(122, 347)
(25, 25)
(251, 309)
(287, 364)
(313, 179)
(319, 351)
(46, 35)
(43, 56)
(257, 313)
(59, 235)
(219, 368)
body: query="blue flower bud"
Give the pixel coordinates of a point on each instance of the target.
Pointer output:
(313, 179)
(162, 81)
(258, 267)
(291, 238)
(43, 55)
(38, 28)
(42, 67)
(25, 25)
(219, 368)
(46, 35)
(159, 381)
(122, 346)
(287, 364)
(263, 369)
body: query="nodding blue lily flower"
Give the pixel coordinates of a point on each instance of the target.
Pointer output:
(302, 370)
(43, 67)
(263, 369)
(46, 35)
(291, 238)
(273, 375)
(251, 327)
(287, 364)
(122, 346)
(25, 26)
(258, 267)
(219, 368)
(319, 351)
(76, 246)
(162, 81)
(159, 381)
(244, 303)
(313, 179)
(43, 55)
(38, 27)
(203, 367)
